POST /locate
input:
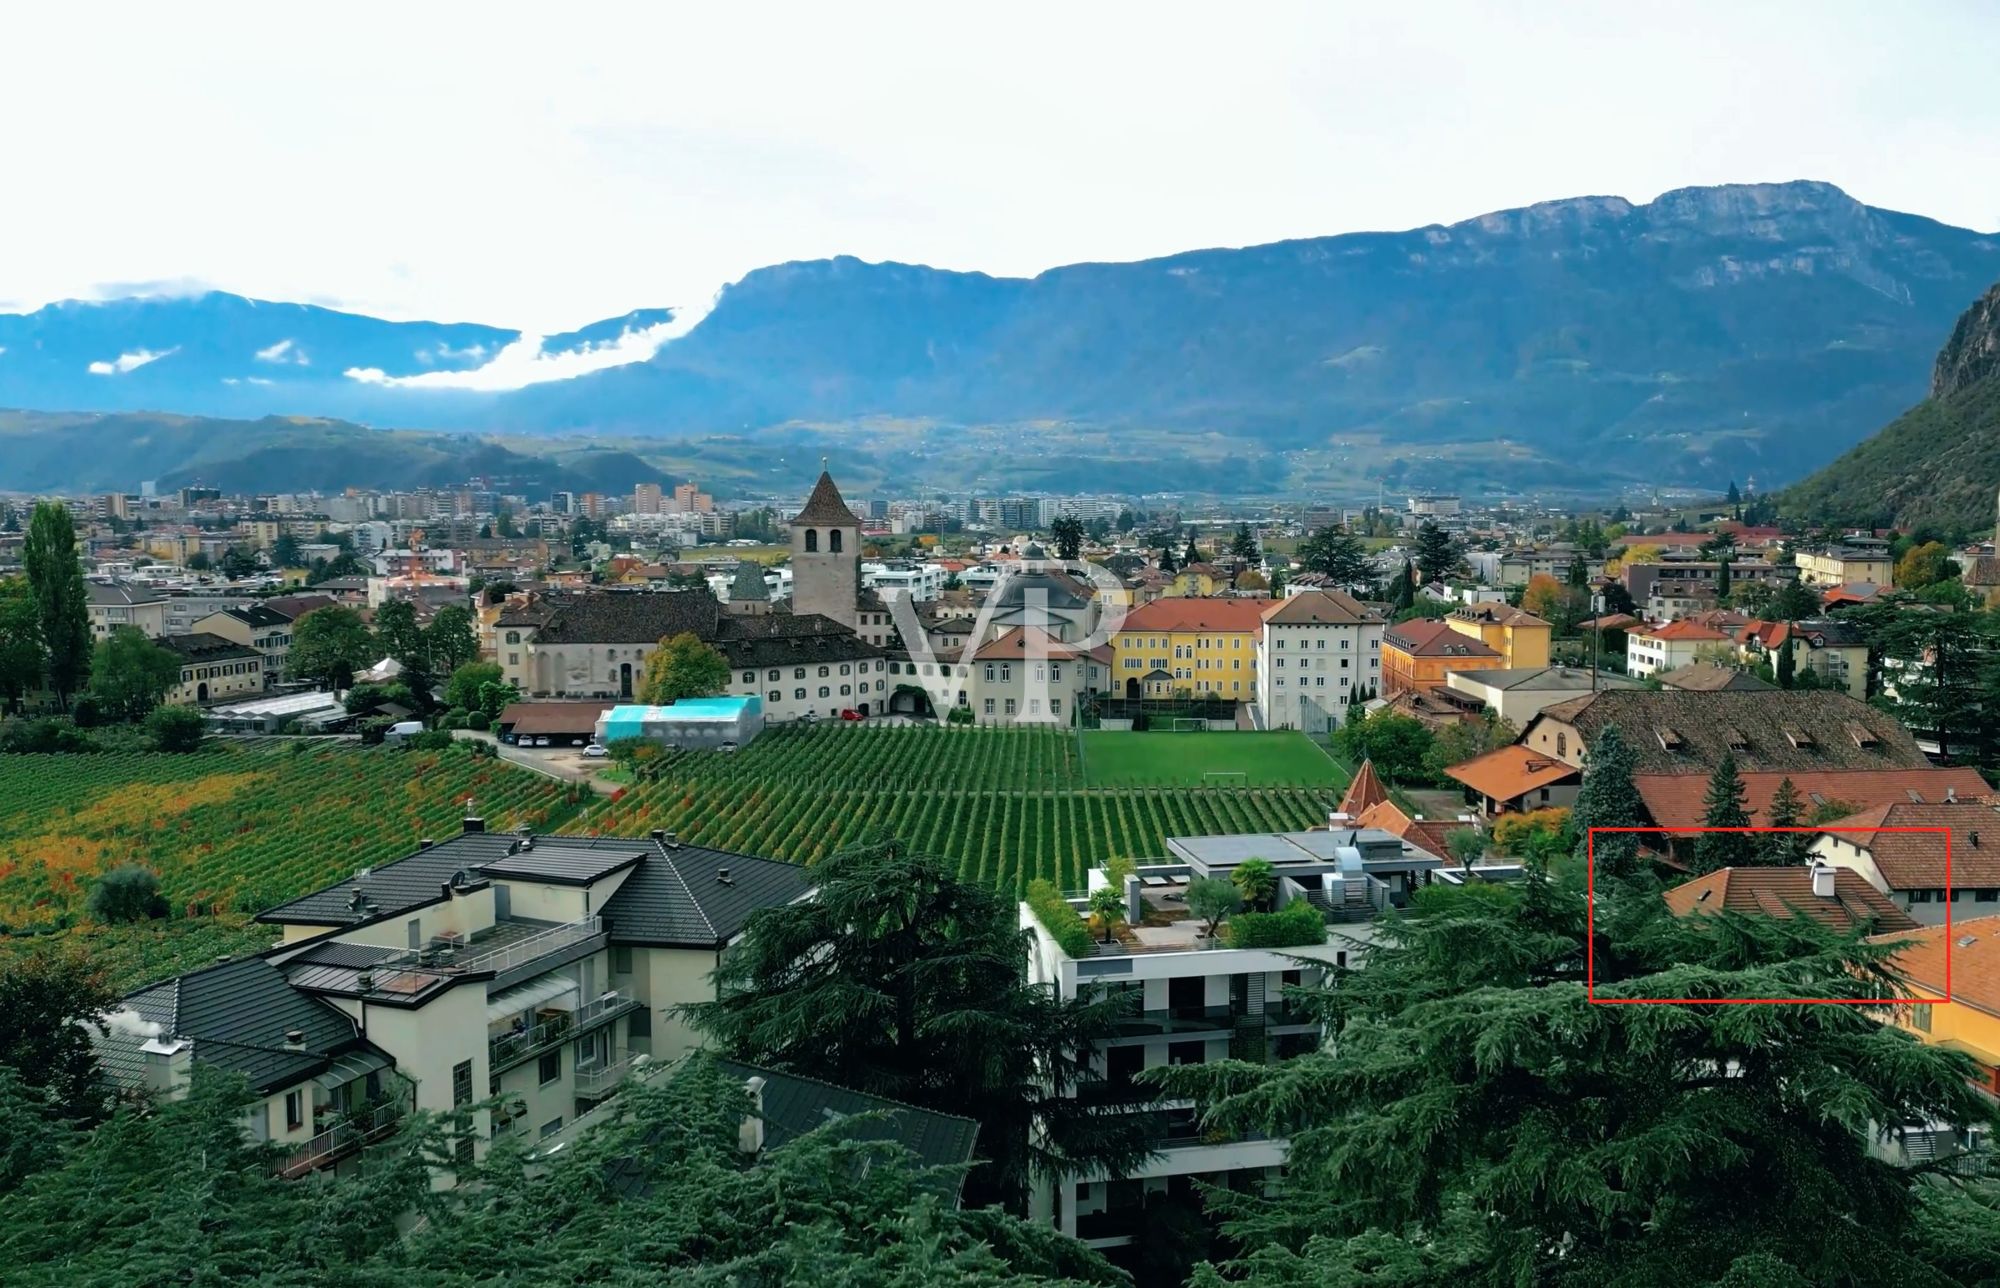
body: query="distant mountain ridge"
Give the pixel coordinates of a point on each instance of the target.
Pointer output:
(1718, 332)
(1939, 462)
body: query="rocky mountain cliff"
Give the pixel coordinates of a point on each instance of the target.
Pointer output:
(1939, 462)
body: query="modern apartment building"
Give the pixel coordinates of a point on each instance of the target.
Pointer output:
(541, 970)
(1194, 1001)
(1317, 649)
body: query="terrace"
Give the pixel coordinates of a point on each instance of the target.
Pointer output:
(556, 1018)
(510, 950)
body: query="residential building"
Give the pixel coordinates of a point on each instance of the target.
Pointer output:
(594, 644)
(1678, 587)
(213, 668)
(185, 607)
(646, 498)
(1419, 654)
(1028, 676)
(1651, 649)
(1830, 746)
(1847, 562)
(1434, 505)
(690, 499)
(921, 582)
(1834, 897)
(537, 970)
(1831, 649)
(1193, 1002)
(112, 604)
(1957, 1006)
(1519, 637)
(258, 627)
(1201, 647)
(1518, 567)
(1315, 652)
(1910, 867)
(1517, 780)
(1517, 695)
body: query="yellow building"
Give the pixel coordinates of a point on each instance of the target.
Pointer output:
(1191, 645)
(1197, 580)
(1846, 565)
(1518, 636)
(1969, 1023)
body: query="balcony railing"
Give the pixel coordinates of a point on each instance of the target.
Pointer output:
(602, 1080)
(511, 1048)
(522, 951)
(414, 969)
(341, 1139)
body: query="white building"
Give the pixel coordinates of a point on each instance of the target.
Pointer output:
(540, 970)
(922, 582)
(1192, 1002)
(1649, 649)
(1316, 650)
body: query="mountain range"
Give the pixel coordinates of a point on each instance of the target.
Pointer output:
(1712, 333)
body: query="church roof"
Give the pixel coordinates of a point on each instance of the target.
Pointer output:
(1365, 791)
(825, 506)
(748, 584)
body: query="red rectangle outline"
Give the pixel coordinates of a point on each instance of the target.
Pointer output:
(1590, 921)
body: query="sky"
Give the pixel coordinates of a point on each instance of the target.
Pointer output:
(543, 166)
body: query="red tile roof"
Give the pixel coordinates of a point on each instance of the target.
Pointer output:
(1432, 834)
(1910, 860)
(1788, 892)
(1032, 641)
(1682, 630)
(1197, 613)
(1426, 637)
(1324, 607)
(1365, 791)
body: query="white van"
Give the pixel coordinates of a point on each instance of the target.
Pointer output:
(401, 730)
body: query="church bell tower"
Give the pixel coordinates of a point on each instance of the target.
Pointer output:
(826, 555)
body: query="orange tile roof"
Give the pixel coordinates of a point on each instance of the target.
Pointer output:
(1364, 792)
(1511, 771)
(1975, 960)
(1329, 607)
(1432, 834)
(1910, 860)
(1788, 892)
(1676, 800)
(1197, 613)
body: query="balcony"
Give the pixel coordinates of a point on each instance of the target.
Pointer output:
(506, 946)
(522, 951)
(596, 1082)
(340, 1140)
(505, 1050)
(1176, 1019)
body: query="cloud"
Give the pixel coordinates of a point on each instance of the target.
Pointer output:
(247, 380)
(525, 363)
(161, 288)
(132, 361)
(284, 351)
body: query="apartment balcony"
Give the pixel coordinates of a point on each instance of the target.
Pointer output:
(504, 1050)
(342, 1139)
(507, 946)
(599, 1081)
(1177, 1019)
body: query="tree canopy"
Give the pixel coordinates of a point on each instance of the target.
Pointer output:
(329, 645)
(683, 667)
(130, 674)
(51, 560)
(1338, 556)
(901, 980)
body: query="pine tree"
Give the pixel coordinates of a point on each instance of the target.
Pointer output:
(1607, 798)
(1405, 597)
(1167, 564)
(1437, 553)
(1787, 809)
(1722, 807)
(55, 581)
(1190, 555)
(1244, 544)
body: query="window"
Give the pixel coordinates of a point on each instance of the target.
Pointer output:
(846, 689)
(774, 695)
(1055, 706)
(554, 1125)
(1920, 1017)
(1281, 642)
(1034, 706)
(824, 672)
(1920, 896)
(773, 674)
(1010, 706)
(845, 670)
(641, 1025)
(833, 541)
(825, 692)
(800, 694)
(295, 1110)
(989, 706)
(798, 673)
(621, 961)
(549, 1068)
(812, 542)
(1562, 744)
(414, 932)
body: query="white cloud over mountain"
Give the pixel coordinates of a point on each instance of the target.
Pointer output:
(525, 362)
(132, 361)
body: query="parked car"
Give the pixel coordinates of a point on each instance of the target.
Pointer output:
(595, 749)
(727, 746)
(541, 742)
(851, 714)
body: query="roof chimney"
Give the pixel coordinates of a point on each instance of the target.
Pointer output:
(722, 875)
(474, 823)
(426, 843)
(1822, 880)
(659, 834)
(750, 1136)
(295, 1039)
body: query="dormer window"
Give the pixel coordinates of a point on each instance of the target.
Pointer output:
(1736, 740)
(1669, 739)
(1861, 735)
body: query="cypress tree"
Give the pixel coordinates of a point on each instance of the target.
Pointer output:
(1788, 666)
(55, 580)
(1608, 799)
(1723, 807)
(1785, 849)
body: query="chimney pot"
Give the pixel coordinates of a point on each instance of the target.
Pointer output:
(473, 823)
(1822, 880)
(722, 875)
(295, 1039)
(426, 843)
(659, 834)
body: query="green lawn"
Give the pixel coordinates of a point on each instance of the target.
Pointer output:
(1163, 759)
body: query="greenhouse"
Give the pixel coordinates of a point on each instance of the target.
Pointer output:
(693, 723)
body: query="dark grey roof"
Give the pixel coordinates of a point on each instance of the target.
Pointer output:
(238, 1014)
(789, 639)
(1547, 679)
(397, 886)
(1061, 590)
(748, 585)
(257, 615)
(795, 1105)
(202, 646)
(352, 956)
(121, 593)
(616, 616)
(825, 506)
(678, 896)
(560, 862)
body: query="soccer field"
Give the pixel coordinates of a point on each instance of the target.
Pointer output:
(1159, 759)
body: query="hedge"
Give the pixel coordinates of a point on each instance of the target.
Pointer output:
(1064, 923)
(1296, 924)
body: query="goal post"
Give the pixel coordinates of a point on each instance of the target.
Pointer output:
(1190, 724)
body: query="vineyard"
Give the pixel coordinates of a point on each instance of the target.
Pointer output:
(1008, 804)
(229, 832)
